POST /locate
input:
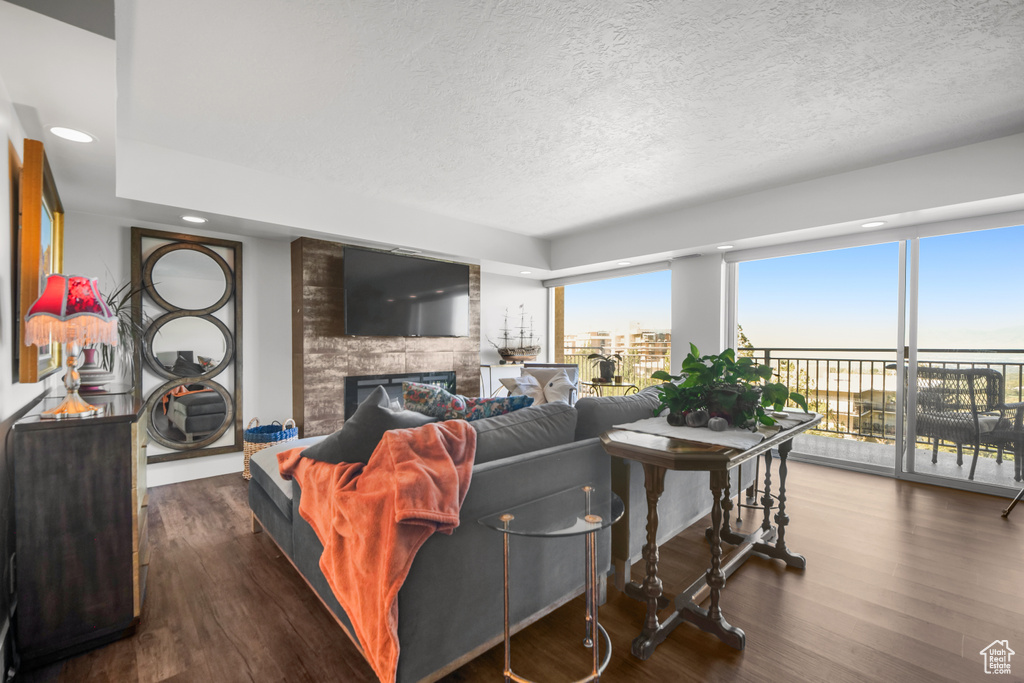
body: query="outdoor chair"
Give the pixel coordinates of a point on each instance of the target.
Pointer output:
(965, 406)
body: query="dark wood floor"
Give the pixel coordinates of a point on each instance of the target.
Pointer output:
(905, 582)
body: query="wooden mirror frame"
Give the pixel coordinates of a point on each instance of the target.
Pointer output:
(145, 358)
(37, 188)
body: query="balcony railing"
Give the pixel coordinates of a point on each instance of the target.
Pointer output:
(855, 389)
(637, 365)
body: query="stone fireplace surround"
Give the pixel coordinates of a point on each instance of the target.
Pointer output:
(323, 356)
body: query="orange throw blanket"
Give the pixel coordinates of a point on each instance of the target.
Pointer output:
(373, 518)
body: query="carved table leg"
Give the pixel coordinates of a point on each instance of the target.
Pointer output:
(654, 483)
(766, 499)
(712, 620)
(727, 534)
(779, 550)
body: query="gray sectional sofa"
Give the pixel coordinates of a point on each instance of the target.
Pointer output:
(450, 607)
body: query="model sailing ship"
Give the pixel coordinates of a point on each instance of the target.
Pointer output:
(527, 347)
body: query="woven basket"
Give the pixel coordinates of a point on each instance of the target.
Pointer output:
(255, 439)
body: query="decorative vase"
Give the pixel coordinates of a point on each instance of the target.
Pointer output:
(607, 370)
(618, 379)
(94, 378)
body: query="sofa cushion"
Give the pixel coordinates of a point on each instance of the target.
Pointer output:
(263, 467)
(359, 436)
(524, 431)
(599, 414)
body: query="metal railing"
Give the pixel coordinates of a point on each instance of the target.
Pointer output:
(637, 365)
(855, 389)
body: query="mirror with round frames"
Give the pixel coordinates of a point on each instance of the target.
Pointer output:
(188, 301)
(193, 414)
(182, 345)
(188, 276)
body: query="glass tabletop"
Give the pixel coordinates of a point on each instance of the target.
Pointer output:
(571, 512)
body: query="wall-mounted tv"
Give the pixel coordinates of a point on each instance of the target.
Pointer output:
(393, 295)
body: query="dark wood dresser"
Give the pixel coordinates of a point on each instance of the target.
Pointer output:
(81, 538)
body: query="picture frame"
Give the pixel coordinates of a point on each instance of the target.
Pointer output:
(40, 249)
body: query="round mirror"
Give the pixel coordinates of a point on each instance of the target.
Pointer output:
(187, 277)
(181, 345)
(185, 416)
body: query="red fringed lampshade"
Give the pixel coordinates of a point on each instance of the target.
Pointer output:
(70, 310)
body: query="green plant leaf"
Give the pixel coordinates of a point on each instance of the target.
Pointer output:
(799, 400)
(664, 376)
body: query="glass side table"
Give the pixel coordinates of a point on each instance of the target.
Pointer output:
(579, 510)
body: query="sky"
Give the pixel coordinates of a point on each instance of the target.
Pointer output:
(613, 304)
(969, 295)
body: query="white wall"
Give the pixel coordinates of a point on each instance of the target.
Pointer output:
(13, 396)
(498, 292)
(101, 246)
(698, 306)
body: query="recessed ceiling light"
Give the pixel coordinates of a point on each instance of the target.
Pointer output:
(872, 224)
(412, 296)
(524, 272)
(193, 219)
(71, 134)
(438, 291)
(625, 263)
(723, 247)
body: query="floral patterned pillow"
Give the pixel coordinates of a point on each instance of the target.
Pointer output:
(477, 408)
(432, 400)
(435, 401)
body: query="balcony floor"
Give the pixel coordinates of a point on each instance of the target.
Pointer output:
(882, 455)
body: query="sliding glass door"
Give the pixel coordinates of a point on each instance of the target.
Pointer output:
(827, 324)
(933, 323)
(966, 358)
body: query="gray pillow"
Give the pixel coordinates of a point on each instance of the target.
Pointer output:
(361, 433)
(599, 414)
(523, 431)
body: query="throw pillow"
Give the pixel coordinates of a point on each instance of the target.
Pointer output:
(361, 433)
(432, 400)
(527, 385)
(437, 402)
(477, 408)
(559, 388)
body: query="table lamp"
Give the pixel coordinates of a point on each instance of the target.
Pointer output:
(70, 311)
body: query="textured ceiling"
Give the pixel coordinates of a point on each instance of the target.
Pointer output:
(540, 117)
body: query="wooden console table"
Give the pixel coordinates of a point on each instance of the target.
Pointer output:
(80, 517)
(658, 454)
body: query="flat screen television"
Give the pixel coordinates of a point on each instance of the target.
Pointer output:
(393, 295)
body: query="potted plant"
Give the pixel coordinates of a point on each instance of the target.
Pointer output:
(606, 365)
(736, 389)
(129, 333)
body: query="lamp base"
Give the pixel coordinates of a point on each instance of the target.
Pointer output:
(71, 407)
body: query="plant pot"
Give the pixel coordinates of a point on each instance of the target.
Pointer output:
(618, 379)
(729, 401)
(607, 368)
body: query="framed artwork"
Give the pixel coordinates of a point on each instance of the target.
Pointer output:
(40, 249)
